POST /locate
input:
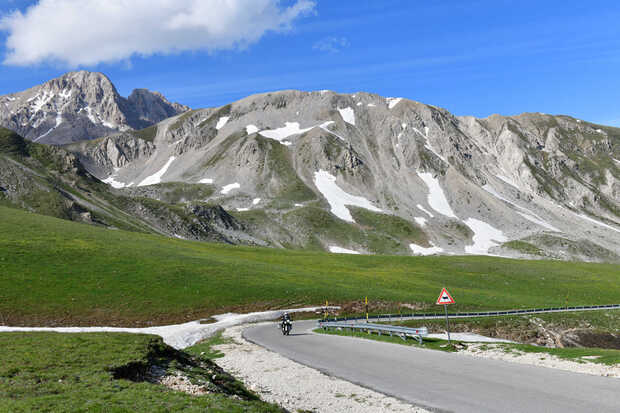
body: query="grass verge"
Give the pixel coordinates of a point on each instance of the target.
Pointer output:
(94, 372)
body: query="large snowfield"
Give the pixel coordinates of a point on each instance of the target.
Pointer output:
(339, 199)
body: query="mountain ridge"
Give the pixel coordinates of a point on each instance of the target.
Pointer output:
(405, 159)
(81, 105)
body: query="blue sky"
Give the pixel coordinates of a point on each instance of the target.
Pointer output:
(470, 57)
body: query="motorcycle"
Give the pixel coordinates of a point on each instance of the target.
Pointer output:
(286, 327)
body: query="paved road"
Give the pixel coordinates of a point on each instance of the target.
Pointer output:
(442, 381)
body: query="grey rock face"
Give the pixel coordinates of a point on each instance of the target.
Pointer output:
(296, 164)
(78, 106)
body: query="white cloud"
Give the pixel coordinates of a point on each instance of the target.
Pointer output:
(88, 32)
(331, 44)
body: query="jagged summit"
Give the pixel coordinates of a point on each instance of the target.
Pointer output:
(81, 105)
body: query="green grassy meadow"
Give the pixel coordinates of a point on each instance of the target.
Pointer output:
(56, 272)
(50, 372)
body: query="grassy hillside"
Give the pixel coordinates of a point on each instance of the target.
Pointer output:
(61, 272)
(106, 373)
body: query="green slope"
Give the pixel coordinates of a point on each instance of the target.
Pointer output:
(61, 272)
(104, 372)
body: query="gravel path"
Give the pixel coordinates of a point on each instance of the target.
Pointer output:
(296, 387)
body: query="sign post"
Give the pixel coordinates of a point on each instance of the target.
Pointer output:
(326, 313)
(366, 308)
(444, 299)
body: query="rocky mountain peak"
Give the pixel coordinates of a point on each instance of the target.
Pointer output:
(152, 107)
(81, 105)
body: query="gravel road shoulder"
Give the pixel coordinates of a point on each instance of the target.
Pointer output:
(495, 352)
(296, 387)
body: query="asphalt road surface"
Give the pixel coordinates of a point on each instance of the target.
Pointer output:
(442, 381)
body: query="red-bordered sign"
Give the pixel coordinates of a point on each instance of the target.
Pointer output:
(445, 298)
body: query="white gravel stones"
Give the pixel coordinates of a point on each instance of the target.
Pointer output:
(295, 387)
(541, 359)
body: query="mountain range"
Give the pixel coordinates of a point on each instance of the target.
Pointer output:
(352, 173)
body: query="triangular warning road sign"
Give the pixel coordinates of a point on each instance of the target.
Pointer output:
(445, 298)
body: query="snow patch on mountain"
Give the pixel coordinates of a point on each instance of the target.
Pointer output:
(250, 129)
(40, 101)
(324, 127)
(156, 177)
(427, 143)
(255, 201)
(339, 250)
(392, 102)
(221, 122)
(436, 197)
(421, 208)
(337, 198)
(58, 122)
(418, 250)
(485, 237)
(508, 181)
(110, 180)
(280, 134)
(227, 188)
(420, 221)
(206, 181)
(348, 115)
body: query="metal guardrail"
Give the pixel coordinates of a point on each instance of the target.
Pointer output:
(422, 316)
(402, 332)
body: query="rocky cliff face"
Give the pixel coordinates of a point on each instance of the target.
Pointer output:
(363, 173)
(51, 181)
(81, 105)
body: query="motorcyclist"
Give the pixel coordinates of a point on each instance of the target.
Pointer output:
(286, 319)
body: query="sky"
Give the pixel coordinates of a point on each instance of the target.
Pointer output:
(470, 57)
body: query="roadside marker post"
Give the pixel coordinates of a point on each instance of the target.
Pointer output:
(444, 299)
(366, 308)
(325, 314)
